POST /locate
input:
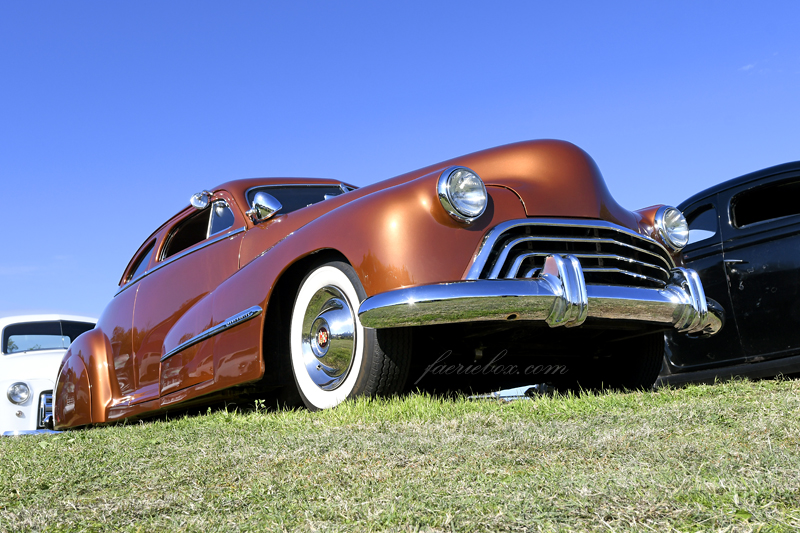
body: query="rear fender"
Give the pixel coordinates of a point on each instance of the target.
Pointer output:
(84, 387)
(72, 395)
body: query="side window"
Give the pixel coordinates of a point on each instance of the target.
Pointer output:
(141, 263)
(703, 223)
(221, 218)
(768, 202)
(188, 233)
(215, 219)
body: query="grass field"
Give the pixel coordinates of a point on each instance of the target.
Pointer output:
(724, 457)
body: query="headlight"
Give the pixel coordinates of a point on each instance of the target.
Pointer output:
(672, 227)
(462, 193)
(19, 393)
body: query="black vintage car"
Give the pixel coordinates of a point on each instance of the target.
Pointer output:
(744, 241)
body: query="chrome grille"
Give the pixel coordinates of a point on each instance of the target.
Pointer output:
(609, 254)
(45, 408)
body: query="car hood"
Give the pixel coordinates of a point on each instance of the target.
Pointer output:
(552, 178)
(31, 365)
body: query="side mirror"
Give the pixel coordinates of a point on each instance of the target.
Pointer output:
(200, 200)
(264, 207)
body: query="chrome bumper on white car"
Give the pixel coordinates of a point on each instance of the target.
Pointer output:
(557, 294)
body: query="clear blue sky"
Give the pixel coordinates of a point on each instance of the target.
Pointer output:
(114, 113)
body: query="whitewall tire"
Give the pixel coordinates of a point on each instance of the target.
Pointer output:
(334, 357)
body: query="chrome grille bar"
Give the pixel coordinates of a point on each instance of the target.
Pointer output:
(609, 254)
(623, 272)
(513, 271)
(500, 261)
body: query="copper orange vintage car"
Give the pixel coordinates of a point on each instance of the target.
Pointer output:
(319, 291)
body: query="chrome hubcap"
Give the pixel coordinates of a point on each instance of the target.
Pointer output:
(329, 338)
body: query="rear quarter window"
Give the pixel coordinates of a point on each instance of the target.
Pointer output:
(142, 261)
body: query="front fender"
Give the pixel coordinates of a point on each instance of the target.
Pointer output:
(393, 238)
(400, 236)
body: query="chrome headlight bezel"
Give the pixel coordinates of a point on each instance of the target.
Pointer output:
(456, 208)
(672, 227)
(18, 393)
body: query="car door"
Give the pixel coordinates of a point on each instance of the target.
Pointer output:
(761, 243)
(117, 321)
(704, 253)
(199, 251)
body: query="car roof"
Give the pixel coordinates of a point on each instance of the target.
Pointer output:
(741, 180)
(8, 320)
(238, 188)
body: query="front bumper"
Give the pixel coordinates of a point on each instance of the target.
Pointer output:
(557, 295)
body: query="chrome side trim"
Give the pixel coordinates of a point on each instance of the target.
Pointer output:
(557, 295)
(490, 239)
(210, 332)
(178, 256)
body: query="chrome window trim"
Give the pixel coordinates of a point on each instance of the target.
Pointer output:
(238, 318)
(174, 258)
(490, 239)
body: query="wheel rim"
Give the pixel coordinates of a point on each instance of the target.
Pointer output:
(329, 338)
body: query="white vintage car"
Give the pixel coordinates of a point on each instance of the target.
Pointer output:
(30, 354)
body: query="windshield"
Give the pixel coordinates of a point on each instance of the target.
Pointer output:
(294, 197)
(47, 335)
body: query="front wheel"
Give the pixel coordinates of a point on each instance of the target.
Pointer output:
(334, 357)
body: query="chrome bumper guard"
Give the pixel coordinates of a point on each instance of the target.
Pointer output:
(557, 295)
(45, 415)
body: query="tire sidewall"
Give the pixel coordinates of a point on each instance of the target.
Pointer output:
(343, 277)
